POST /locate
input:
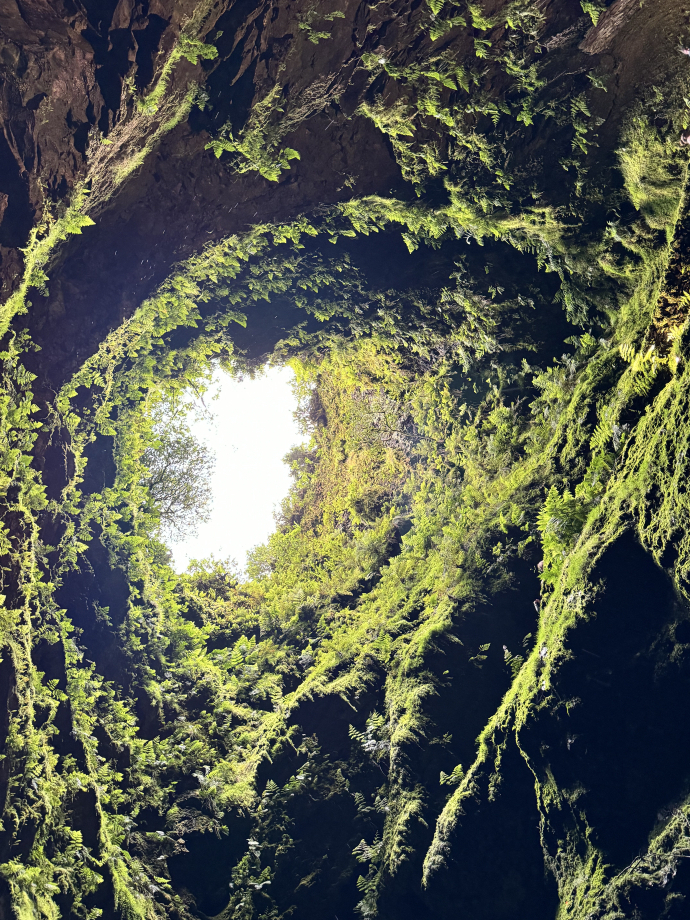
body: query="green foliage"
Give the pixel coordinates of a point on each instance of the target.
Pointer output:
(560, 522)
(374, 740)
(44, 238)
(188, 48)
(652, 177)
(454, 777)
(396, 122)
(306, 23)
(479, 18)
(178, 472)
(447, 116)
(594, 8)
(258, 146)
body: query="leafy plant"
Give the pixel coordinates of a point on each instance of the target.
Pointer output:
(44, 239)
(594, 8)
(453, 778)
(306, 23)
(188, 48)
(258, 146)
(178, 470)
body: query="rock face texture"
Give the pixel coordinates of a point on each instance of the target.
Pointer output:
(453, 682)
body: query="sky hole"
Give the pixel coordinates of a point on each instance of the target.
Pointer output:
(249, 429)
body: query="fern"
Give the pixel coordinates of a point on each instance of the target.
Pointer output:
(305, 23)
(44, 239)
(643, 369)
(560, 522)
(453, 778)
(258, 149)
(627, 352)
(479, 19)
(602, 435)
(594, 8)
(441, 27)
(514, 662)
(187, 47)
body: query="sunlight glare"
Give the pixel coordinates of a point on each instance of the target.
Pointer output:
(251, 431)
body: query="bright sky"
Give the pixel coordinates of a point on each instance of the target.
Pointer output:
(251, 431)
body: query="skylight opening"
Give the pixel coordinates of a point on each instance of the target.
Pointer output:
(249, 428)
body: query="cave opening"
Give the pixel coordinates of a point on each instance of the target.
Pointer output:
(248, 426)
